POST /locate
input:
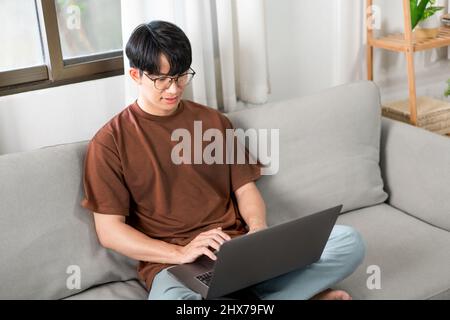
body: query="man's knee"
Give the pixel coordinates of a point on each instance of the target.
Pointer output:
(351, 244)
(165, 287)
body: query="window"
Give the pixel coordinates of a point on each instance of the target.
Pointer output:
(52, 42)
(21, 43)
(89, 27)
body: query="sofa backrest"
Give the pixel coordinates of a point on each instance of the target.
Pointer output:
(329, 155)
(48, 245)
(329, 146)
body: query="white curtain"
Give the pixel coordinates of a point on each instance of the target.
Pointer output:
(228, 41)
(349, 41)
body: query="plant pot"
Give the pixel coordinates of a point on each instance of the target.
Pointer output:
(425, 33)
(428, 28)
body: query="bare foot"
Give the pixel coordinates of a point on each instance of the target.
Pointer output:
(330, 294)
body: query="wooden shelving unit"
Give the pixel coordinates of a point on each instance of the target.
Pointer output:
(397, 42)
(406, 43)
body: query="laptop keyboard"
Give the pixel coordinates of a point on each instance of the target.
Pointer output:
(205, 278)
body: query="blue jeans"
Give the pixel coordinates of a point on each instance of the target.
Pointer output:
(343, 253)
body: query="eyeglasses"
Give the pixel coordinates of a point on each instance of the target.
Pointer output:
(164, 82)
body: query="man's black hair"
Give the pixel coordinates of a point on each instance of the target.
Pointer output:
(149, 41)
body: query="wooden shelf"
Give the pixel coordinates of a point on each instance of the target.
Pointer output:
(432, 114)
(397, 42)
(408, 44)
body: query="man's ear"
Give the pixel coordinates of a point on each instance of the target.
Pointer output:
(135, 75)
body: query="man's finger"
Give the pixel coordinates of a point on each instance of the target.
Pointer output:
(217, 231)
(212, 243)
(214, 236)
(220, 233)
(208, 242)
(208, 253)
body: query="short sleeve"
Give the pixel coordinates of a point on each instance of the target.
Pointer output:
(242, 173)
(104, 185)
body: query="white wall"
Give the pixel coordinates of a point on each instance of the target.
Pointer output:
(58, 115)
(311, 42)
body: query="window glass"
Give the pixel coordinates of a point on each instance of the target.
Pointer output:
(20, 38)
(88, 27)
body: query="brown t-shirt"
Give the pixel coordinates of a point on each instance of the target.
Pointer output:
(129, 171)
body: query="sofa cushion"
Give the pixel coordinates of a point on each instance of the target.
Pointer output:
(122, 290)
(46, 238)
(413, 257)
(329, 150)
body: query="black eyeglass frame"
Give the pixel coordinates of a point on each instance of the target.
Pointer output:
(172, 79)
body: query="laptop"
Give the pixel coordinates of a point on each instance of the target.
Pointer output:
(260, 256)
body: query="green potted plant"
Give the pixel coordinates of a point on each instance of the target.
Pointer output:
(447, 92)
(423, 13)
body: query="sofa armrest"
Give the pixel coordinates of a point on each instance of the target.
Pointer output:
(415, 165)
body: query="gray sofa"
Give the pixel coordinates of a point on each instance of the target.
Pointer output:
(393, 180)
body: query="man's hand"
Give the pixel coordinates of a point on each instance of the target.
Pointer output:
(201, 245)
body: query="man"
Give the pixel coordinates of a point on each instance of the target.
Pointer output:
(161, 213)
